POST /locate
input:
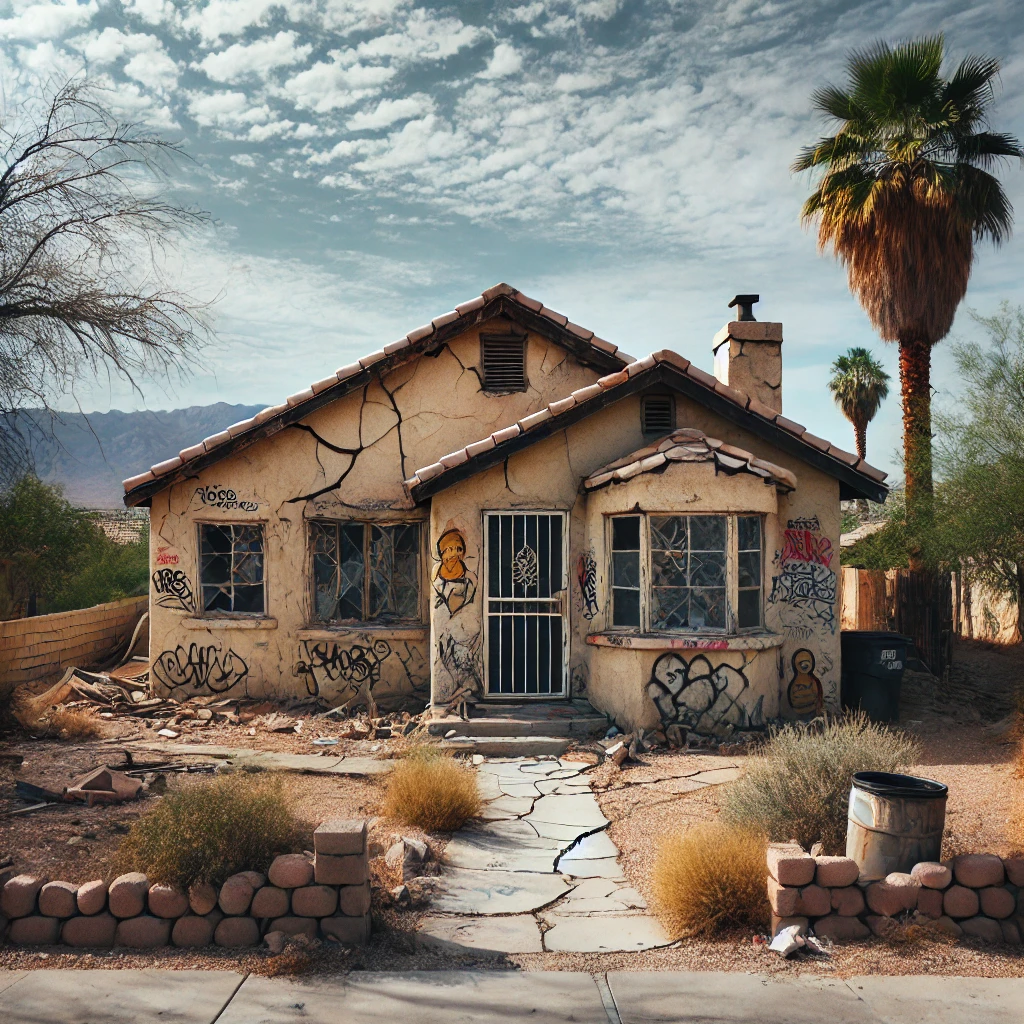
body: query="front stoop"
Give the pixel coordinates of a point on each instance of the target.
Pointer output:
(521, 730)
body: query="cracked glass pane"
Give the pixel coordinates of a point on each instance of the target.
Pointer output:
(707, 569)
(670, 607)
(626, 569)
(231, 567)
(668, 533)
(394, 571)
(688, 563)
(750, 568)
(707, 533)
(351, 572)
(749, 533)
(707, 608)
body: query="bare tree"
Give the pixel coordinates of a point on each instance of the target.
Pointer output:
(86, 225)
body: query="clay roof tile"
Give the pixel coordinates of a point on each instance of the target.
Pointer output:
(580, 332)
(531, 304)
(419, 333)
(445, 318)
(552, 315)
(167, 466)
(397, 346)
(529, 422)
(467, 307)
(498, 289)
(299, 397)
(697, 374)
(138, 480)
(194, 452)
(323, 385)
(562, 405)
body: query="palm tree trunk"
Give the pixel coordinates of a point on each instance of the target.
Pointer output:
(915, 386)
(860, 433)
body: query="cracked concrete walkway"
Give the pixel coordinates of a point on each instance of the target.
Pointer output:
(537, 872)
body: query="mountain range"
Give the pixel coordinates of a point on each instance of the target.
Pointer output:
(89, 455)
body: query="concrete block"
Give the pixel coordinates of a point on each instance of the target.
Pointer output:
(346, 870)
(340, 837)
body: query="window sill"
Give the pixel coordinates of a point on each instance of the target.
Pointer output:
(760, 641)
(229, 622)
(396, 632)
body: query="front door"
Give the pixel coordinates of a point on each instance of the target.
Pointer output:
(526, 604)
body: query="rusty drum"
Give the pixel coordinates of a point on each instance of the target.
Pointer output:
(894, 822)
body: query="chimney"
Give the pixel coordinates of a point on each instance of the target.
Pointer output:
(748, 354)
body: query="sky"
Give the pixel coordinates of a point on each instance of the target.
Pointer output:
(369, 164)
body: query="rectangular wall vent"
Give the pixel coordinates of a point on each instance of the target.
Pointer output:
(658, 414)
(504, 362)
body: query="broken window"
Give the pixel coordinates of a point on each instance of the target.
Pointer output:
(231, 567)
(366, 572)
(687, 572)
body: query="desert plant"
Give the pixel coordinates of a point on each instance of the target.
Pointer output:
(710, 879)
(210, 830)
(798, 787)
(71, 724)
(431, 790)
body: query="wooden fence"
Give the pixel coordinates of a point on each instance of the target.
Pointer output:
(44, 645)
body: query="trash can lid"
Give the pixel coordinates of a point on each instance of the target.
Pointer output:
(892, 784)
(873, 634)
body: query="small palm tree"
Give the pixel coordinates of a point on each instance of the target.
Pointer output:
(859, 385)
(905, 193)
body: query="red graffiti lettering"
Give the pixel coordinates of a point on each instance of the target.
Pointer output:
(165, 558)
(806, 546)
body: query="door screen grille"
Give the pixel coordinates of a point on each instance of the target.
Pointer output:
(525, 590)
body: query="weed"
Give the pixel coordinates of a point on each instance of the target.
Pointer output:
(798, 786)
(709, 879)
(69, 724)
(431, 790)
(210, 830)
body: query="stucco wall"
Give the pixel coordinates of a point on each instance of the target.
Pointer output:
(345, 461)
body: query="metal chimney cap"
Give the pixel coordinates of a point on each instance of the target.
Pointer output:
(746, 304)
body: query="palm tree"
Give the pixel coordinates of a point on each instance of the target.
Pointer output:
(905, 192)
(859, 386)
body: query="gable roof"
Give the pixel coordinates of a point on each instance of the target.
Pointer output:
(857, 479)
(501, 300)
(689, 445)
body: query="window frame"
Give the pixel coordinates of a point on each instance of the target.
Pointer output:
(364, 622)
(732, 588)
(217, 613)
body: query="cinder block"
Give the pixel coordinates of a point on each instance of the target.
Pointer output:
(353, 870)
(340, 837)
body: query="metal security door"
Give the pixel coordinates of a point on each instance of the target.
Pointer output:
(526, 604)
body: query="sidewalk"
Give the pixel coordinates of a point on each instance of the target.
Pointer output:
(499, 997)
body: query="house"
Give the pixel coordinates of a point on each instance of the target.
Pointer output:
(503, 505)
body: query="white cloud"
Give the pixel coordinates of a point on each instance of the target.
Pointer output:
(262, 132)
(153, 12)
(340, 83)
(228, 17)
(47, 21)
(347, 16)
(505, 61)
(154, 69)
(243, 159)
(240, 60)
(226, 110)
(387, 112)
(423, 37)
(580, 82)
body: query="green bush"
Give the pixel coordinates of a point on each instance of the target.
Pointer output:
(211, 830)
(798, 787)
(105, 572)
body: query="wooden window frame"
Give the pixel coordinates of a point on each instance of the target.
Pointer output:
(217, 613)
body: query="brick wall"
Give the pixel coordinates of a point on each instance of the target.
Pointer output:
(45, 645)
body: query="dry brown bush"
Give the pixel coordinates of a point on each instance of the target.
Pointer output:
(70, 724)
(432, 791)
(210, 830)
(711, 878)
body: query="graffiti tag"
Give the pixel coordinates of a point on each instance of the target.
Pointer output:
(201, 668)
(461, 659)
(806, 546)
(165, 557)
(355, 666)
(586, 576)
(223, 497)
(174, 589)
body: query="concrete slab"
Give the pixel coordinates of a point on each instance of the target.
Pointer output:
(8, 978)
(441, 997)
(936, 1000)
(497, 892)
(715, 996)
(562, 836)
(608, 933)
(505, 808)
(480, 854)
(499, 935)
(592, 847)
(716, 776)
(581, 810)
(312, 764)
(601, 867)
(119, 997)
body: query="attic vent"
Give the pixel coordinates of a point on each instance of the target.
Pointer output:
(504, 362)
(657, 413)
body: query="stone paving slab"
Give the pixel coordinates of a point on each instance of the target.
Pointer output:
(611, 933)
(497, 892)
(119, 997)
(442, 997)
(592, 847)
(937, 1000)
(8, 978)
(313, 764)
(579, 810)
(714, 996)
(517, 934)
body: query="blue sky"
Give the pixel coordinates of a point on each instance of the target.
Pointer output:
(371, 163)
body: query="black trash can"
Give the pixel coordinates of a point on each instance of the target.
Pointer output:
(873, 664)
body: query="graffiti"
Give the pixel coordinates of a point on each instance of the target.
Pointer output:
(165, 557)
(811, 589)
(702, 698)
(525, 568)
(578, 681)
(461, 660)
(805, 694)
(324, 662)
(174, 589)
(586, 576)
(223, 497)
(201, 668)
(806, 546)
(454, 584)
(805, 523)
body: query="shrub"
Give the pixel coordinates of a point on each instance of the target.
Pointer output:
(431, 790)
(709, 879)
(798, 787)
(210, 830)
(69, 724)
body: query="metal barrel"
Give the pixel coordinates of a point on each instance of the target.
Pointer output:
(894, 822)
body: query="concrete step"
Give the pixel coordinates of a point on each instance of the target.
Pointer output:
(508, 746)
(577, 728)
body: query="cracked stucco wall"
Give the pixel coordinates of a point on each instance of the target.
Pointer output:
(345, 461)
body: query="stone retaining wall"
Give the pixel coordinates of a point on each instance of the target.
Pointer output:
(44, 645)
(324, 896)
(974, 894)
